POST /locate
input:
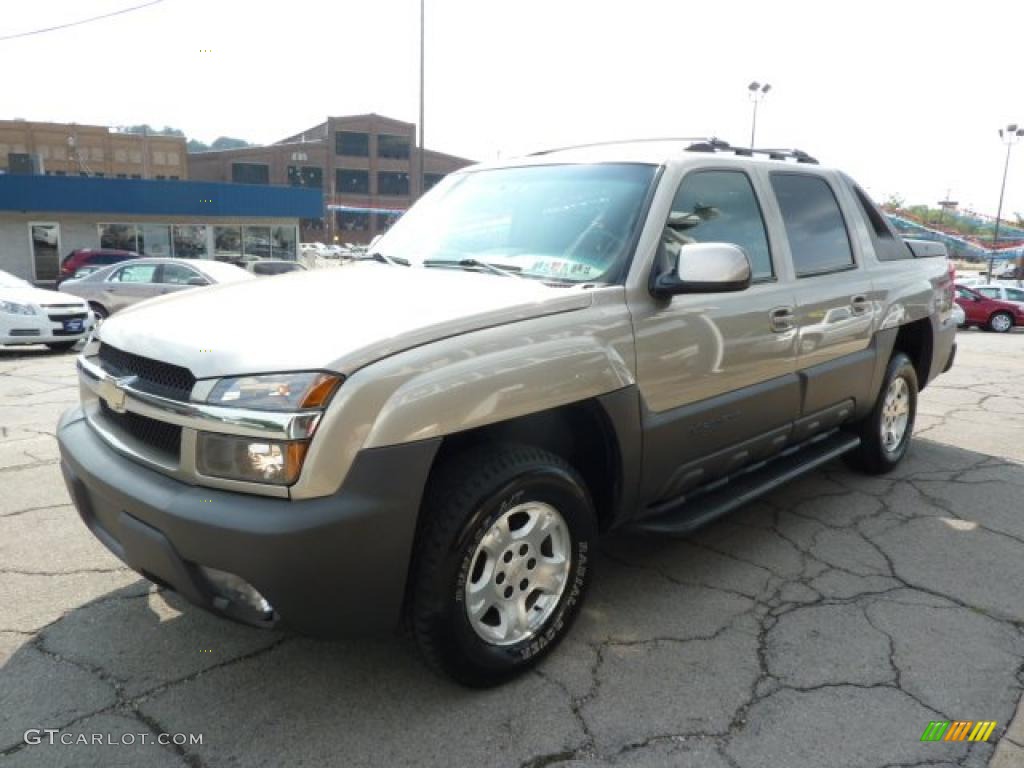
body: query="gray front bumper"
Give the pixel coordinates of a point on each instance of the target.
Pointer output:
(329, 566)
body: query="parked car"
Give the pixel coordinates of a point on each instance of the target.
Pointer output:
(616, 343)
(988, 314)
(265, 267)
(91, 257)
(1002, 292)
(30, 315)
(118, 286)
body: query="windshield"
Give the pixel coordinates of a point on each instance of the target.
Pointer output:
(7, 280)
(571, 223)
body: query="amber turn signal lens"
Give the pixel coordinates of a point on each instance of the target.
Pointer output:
(320, 391)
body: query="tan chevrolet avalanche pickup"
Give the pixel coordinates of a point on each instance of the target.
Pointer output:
(644, 334)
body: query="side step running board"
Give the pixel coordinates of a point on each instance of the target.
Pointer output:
(680, 516)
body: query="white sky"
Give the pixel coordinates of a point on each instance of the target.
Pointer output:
(906, 96)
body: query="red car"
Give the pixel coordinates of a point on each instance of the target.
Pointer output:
(91, 257)
(988, 314)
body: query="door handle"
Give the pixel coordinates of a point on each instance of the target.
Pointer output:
(781, 319)
(859, 304)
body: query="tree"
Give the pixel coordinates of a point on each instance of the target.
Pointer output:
(894, 202)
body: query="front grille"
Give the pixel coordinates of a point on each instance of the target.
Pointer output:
(25, 332)
(160, 436)
(171, 381)
(62, 318)
(61, 306)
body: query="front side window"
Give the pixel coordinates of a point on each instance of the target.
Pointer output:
(135, 273)
(720, 207)
(573, 223)
(992, 293)
(965, 293)
(817, 234)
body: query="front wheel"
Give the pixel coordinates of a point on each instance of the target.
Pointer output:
(885, 433)
(503, 562)
(99, 310)
(1000, 322)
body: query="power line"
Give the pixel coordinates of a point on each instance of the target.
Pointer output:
(82, 21)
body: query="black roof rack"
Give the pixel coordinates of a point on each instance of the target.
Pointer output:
(698, 144)
(717, 145)
(625, 141)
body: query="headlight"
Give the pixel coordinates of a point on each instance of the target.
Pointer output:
(277, 392)
(251, 459)
(13, 308)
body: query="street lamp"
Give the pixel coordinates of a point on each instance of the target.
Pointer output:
(423, 148)
(757, 92)
(1009, 136)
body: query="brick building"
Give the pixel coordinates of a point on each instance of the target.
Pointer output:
(68, 149)
(366, 166)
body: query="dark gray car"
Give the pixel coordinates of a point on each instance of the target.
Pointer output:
(113, 288)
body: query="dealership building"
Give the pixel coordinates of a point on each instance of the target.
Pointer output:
(366, 166)
(43, 218)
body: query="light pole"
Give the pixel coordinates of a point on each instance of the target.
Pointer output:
(757, 92)
(1009, 136)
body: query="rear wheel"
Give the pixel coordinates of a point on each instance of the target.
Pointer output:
(886, 432)
(503, 562)
(1000, 322)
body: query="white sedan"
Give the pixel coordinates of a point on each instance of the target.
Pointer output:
(30, 315)
(1003, 292)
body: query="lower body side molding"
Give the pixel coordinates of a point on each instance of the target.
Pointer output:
(685, 514)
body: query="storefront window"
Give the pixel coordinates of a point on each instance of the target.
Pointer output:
(353, 221)
(155, 240)
(284, 243)
(189, 241)
(385, 220)
(257, 242)
(227, 243)
(119, 236)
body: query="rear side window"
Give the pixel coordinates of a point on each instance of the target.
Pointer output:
(1014, 294)
(888, 247)
(814, 224)
(720, 207)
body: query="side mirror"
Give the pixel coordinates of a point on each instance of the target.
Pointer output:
(705, 268)
(197, 281)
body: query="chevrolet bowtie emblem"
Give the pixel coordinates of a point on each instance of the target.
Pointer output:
(111, 391)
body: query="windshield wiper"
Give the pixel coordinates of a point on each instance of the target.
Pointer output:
(504, 270)
(398, 261)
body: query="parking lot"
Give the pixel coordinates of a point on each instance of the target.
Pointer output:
(823, 626)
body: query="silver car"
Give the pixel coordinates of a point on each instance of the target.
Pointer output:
(113, 288)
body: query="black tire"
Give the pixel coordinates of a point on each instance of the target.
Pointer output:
(62, 346)
(872, 456)
(99, 310)
(993, 322)
(466, 496)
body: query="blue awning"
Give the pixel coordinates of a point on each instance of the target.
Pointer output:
(80, 194)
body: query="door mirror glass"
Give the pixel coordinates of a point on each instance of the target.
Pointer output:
(197, 281)
(706, 268)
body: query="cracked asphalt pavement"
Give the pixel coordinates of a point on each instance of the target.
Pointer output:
(825, 625)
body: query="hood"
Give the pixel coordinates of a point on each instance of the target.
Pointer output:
(335, 319)
(38, 296)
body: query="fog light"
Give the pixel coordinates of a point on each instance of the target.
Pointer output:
(250, 459)
(237, 590)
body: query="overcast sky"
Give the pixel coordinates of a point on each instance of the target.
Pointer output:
(905, 96)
